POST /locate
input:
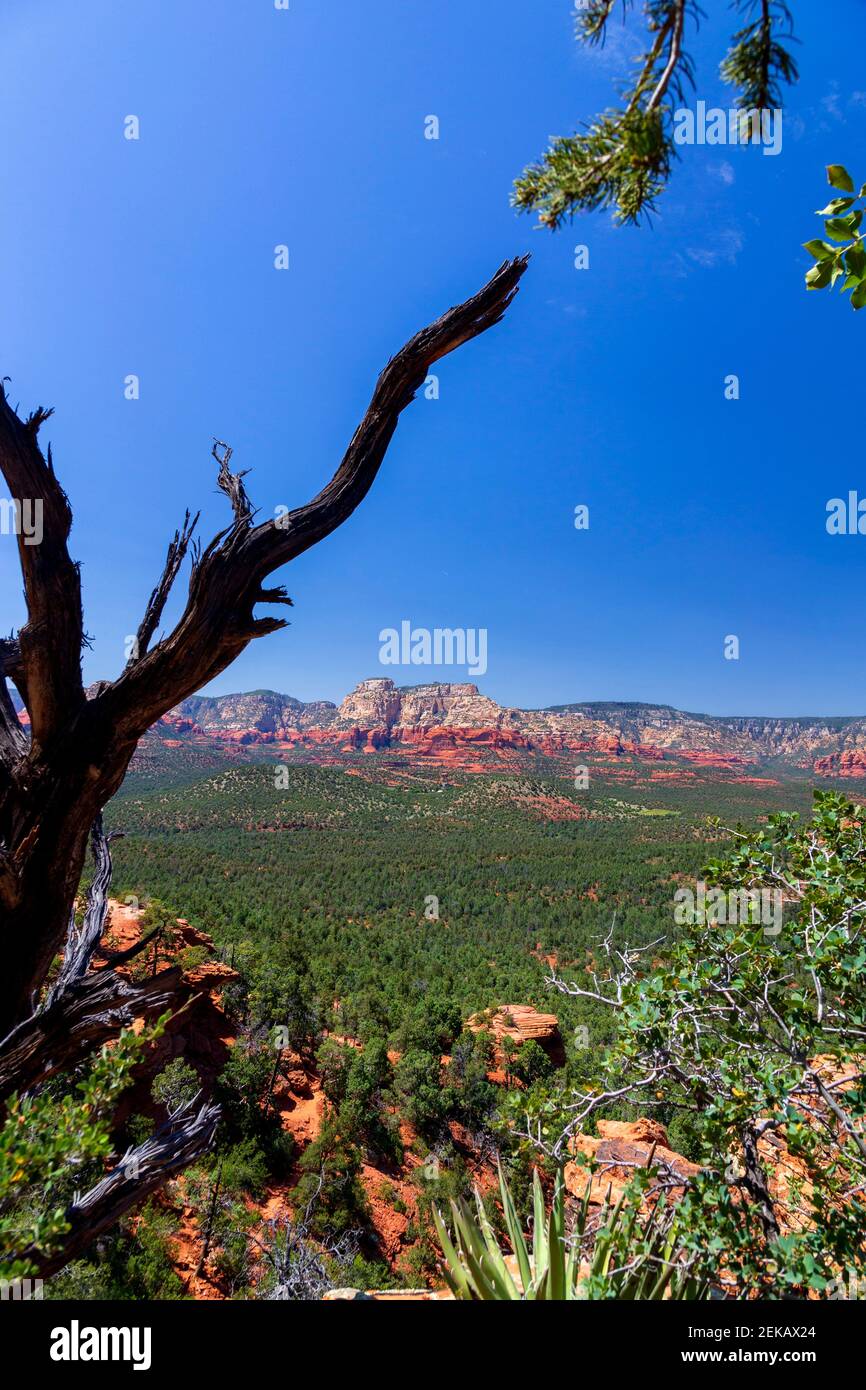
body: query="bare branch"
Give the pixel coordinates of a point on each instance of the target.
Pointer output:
(232, 485)
(91, 1011)
(276, 542)
(178, 546)
(140, 1172)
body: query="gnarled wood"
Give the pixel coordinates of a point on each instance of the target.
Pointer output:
(81, 745)
(90, 1011)
(186, 1136)
(81, 942)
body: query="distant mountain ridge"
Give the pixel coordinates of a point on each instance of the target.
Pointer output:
(380, 714)
(453, 720)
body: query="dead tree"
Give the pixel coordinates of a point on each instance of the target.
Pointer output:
(54, 784)
(81, 942)
(53, 787)
(187, 1133)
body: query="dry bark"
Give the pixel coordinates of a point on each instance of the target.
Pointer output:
(53, 788)
(139, 1173)
(89, 1013)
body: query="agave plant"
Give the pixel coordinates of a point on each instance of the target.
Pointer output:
(631, 1255)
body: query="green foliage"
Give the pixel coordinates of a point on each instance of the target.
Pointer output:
(629, 1255)
(422, 1098)
(50, 1143)
(474, 1098)
(624, 156)
(358, 1085)
(758, 1040)
(176, 1085)
(330, 1189)
(331, 914)
(531, 1063)
(436, 1185)
(757, 62)
(246, 1168)
(129, 1264)
(244, 1091)
(325, 921)
(623, 160)
(842, 256)
(224, 1221)
(334, 1062)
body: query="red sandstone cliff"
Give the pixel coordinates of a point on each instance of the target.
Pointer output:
(446, 722)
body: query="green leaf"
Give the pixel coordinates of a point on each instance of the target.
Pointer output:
(453, 1270)
(855, 259)
(858, 298)
(539, 1233)
(838, 229)
(556, 1244)
(835, 206)
(838, 177)
(819, 249)
(818, 278)
(515, 1234)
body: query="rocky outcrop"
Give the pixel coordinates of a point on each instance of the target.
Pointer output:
(520, 1022)
(197, 1031)
(620, 1147)
(849, 764)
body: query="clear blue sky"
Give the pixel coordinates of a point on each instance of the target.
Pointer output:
(602, 387)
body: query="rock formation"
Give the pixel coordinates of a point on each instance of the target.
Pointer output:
(622, 1146)
(444, 723)
(520, 1022)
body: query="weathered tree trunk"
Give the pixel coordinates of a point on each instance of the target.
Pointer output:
(81, 942)
(89, 1013)
(141, 1171)
(46, 812)
(53, 788)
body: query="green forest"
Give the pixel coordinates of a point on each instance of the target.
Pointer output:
(332, 875)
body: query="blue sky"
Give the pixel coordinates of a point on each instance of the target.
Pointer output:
(603, 386)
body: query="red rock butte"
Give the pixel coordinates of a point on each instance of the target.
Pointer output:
(453, 724)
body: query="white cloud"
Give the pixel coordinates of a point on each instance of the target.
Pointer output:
(830, 103)
(722, 248)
